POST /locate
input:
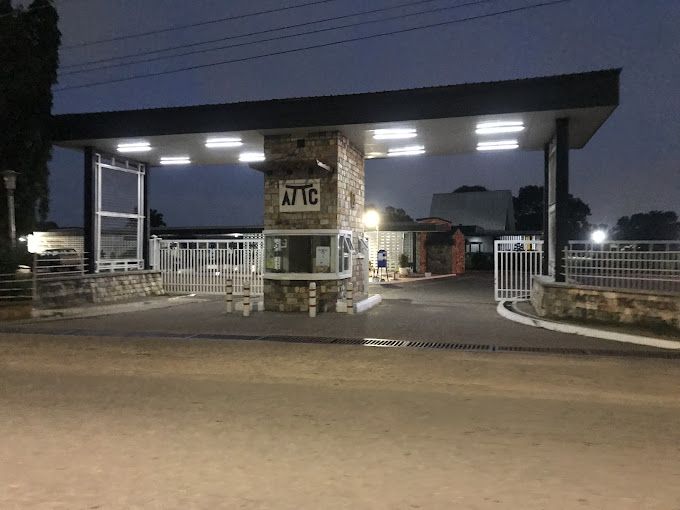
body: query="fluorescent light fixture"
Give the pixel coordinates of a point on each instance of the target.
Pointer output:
(372, 155)
(251, 157)
(134, 147)
(498, 145)
(225, 142)
(490, 128)
(411, 150)
(394, 133)
(175, 160)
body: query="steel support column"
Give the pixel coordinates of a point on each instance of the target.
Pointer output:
(89, 203)
(546, 205)
(561, 195)
(147, 219)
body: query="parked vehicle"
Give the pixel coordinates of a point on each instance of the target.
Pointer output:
(57, 260)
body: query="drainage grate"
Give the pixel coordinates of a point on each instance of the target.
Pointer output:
(368, 342)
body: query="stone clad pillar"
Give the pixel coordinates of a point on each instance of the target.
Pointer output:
(329, 160)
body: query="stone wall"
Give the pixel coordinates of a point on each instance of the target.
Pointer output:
(565, 301)
(293, 295)
(341, 207)
(98, 288)
(342, 189)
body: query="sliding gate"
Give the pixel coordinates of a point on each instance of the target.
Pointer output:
(203, 266)
(516, 261)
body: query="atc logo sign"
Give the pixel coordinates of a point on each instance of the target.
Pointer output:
(300, 195)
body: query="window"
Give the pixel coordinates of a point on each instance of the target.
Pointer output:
(320, 253)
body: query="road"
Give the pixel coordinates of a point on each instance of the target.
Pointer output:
(454, 310)
(111, 423)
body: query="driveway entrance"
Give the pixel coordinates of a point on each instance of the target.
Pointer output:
(455, 310)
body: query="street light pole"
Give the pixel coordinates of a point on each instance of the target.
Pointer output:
(9, 178)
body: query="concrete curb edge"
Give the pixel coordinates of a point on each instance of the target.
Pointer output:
(560, 327)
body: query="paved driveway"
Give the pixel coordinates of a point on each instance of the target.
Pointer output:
(453, 310)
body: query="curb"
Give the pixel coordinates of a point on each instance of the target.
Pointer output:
(368, 303)
(414, 280)
(561, 327)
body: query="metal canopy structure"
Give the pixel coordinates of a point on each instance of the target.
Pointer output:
(444, 118)
(552, 114)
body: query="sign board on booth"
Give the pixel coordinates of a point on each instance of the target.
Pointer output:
(300, 195)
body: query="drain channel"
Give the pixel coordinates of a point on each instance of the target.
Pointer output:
(367, 342)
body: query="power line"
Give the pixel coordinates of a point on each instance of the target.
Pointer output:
(228, 38)
(278, 38)
(315, 46)
(192, 25)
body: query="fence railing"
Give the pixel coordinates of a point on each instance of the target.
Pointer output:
(624, 265)
(16, 287)
(205, 266)
(516, 262)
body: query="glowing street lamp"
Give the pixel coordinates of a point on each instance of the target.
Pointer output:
(598, 236)
(372, 220)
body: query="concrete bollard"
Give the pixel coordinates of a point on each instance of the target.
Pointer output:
(341, 297)
(246, 300)
(350, 297)
(312, 299)
(229, 297)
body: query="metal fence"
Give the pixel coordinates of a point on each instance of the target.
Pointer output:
(625, 265)
(191, 266)
(516, 262)
(15, 288)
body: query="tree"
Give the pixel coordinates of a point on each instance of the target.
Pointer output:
(156, 218)
(654, 225)
(468, 189)
(29, 45)
(528, 205)
(391, 214)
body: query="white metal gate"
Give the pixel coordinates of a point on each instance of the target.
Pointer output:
(203, 266)
(515, 262)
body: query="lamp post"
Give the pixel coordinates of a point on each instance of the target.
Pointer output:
(9, 178)
(372, 220)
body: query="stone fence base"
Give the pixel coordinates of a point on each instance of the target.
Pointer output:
(98, 288)
(641, 308)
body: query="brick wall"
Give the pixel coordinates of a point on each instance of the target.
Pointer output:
(566, 301)
(98, 288)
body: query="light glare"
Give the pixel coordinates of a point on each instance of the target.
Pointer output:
(224, 142)
(175, 160)
(394, 133)
(598, 236)
(251, 157)
(134, 147)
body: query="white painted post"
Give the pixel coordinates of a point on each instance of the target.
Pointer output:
(246, 299)
(350, 297)
(312, 299)
(229, 297)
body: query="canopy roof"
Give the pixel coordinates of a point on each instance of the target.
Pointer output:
(444, 119)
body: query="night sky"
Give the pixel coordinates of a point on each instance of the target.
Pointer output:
(632, 164)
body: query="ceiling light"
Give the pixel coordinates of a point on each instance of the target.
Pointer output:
(226, 142)
(412, 150)
(490, 128)
(251, 157)
(134, 147)
(372, 155)
(498, 145)
(394, 133)
(175, 160)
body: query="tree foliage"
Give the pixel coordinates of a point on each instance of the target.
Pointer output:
(528, 205)
(29, 44)
(391, 214)
(156, 218)
(654, 225)
(469, 189)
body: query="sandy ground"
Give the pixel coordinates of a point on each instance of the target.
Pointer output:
(124, 423)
